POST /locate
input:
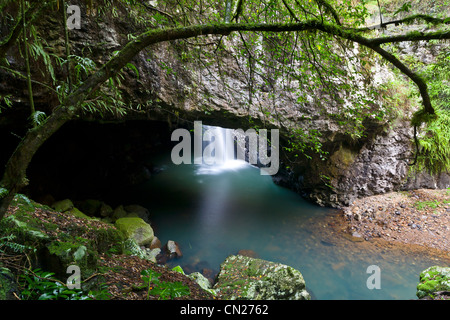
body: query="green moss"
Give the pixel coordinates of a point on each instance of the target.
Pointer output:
(59, 245)
(435, 145)
(77, 213)
(135, 228)
(432, 280)
(63, 254)
(340, 159)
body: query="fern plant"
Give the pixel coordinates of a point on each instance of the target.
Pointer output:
(40, 285)
(6, 242)
(164, 289)
(435, 153)
(435, 142)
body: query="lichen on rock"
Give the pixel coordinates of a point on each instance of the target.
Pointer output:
(433, 279)
(249, 278)
(136, 228)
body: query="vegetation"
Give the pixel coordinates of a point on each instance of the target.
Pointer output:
(35, 239)
(435, 142)
(41, 285)
(320, 46)
(163, 289)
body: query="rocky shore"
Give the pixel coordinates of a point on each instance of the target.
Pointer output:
(420, 217)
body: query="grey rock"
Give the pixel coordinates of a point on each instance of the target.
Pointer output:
(242, 277)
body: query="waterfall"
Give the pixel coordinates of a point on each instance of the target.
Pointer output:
(219, 151)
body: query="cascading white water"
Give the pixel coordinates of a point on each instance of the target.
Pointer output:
(218, 151)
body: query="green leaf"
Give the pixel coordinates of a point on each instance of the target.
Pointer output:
(178, 269)
(133, 67)
(404, 8)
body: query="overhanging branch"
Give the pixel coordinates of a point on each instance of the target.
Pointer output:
(156, 36)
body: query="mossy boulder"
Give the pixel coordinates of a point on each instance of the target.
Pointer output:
(242, 277)
(118, 213)
(63, 205)
(432, 280)
(138, 211)
(60, 255)
(77, 213)
(202, 281)
(91, 207)
(132, 248)
(137, 229)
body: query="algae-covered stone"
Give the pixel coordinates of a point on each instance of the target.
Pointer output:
(91, 207)
(137, 229)
(433, 279)
(60, 254)
(32, 233)
(77, 213)
(118, 213)
(202, 281)
(106, 210)
(147, 254)
(63, 205)
(249, 278)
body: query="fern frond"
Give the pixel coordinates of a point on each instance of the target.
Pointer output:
(38, 118)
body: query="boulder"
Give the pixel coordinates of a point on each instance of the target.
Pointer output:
(249, 278)
(201, 280)
(144, 253)
(156, 243)
(63, 205)
(91, 207)
(173, 249)
(77, 213)
(118, 213)
(137, 229)
(138, 211)
(106, 210)
(248, 253)
(58, 255)
(433, 280)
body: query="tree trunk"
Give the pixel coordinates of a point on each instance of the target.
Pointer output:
(14, 178)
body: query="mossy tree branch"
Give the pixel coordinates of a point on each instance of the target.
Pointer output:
(34, 11)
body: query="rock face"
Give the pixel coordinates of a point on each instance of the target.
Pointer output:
(379, 166)
(243, 277)
(433, 280)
